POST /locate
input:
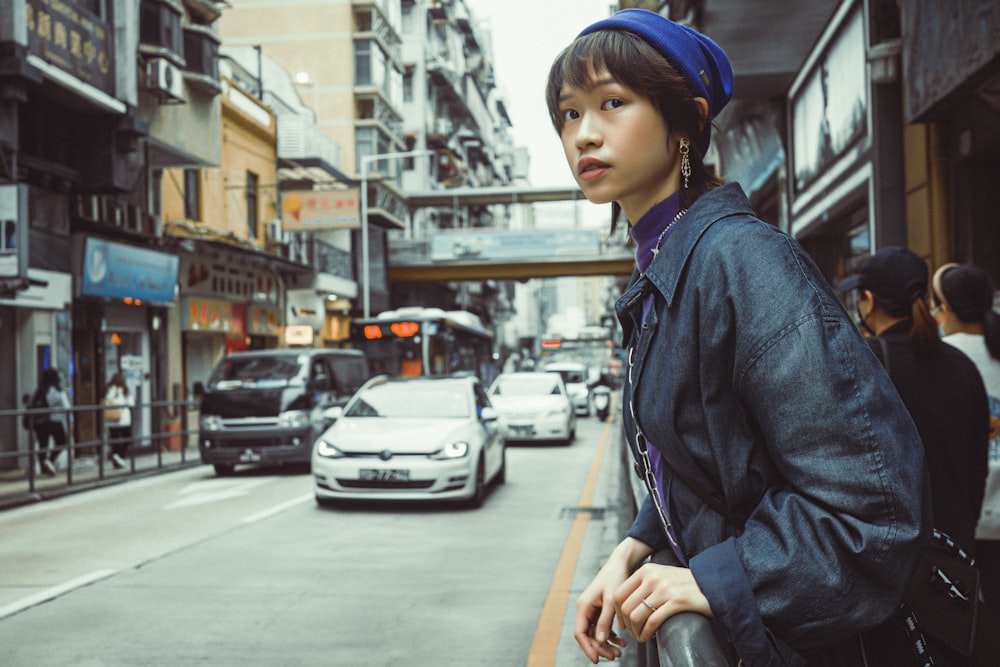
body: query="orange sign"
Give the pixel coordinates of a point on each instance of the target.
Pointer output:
(207, 315)
(405, 329)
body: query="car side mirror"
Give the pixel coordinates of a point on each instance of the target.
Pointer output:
(199, 389)
(333, 413)
(488, 414)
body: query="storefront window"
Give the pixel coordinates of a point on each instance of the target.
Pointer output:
(123, 354)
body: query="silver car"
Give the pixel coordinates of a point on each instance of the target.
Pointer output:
(534, 406)
(411, 439)
(574, 376)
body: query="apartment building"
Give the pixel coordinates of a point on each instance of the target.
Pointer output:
(411, 80)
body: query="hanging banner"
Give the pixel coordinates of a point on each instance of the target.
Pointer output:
(306, 210)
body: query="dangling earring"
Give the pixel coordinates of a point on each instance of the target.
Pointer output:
(685, 160)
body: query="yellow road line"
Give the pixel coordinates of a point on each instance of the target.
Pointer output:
(543, 647)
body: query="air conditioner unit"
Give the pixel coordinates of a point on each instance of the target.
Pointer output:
(166, 78)
(275, 232)
(88, 207)
(135, 218)
(112, 213)
(442, 126)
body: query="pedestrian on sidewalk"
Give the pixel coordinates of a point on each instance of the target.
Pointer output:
(52, 426)
(963, 297)
(118, 403)
(784, 473)
(940, 386)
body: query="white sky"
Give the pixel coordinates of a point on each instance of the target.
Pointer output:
(527, 35)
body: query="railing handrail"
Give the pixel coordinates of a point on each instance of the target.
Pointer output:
(154, 450)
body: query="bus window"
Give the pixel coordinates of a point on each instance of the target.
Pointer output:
(437, 355)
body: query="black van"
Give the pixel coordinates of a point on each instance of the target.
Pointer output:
(266, 406)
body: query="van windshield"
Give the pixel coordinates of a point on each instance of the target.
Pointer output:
(260, 372)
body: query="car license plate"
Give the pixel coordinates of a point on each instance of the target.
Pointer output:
(249, 456)
(384, 475)
(523, 430)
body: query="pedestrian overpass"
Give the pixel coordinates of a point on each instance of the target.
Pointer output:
(505, 254)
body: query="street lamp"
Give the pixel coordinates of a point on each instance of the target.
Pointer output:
(365, 260)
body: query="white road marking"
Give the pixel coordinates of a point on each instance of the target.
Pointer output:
(54, 592)
(278, 509)
(214, 490)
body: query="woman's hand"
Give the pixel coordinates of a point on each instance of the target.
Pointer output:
(653, 594)
(595, 608)
(595, 611)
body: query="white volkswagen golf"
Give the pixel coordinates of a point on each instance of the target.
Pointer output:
(411, 439)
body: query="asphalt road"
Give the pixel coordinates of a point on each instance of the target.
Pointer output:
(187, 568)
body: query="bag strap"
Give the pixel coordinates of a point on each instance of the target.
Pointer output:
(885, 354)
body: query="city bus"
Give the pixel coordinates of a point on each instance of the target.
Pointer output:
(415, 341)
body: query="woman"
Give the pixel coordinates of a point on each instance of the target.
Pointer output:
(52, 426)
(963, 296)
(119, 430)
(784, 472)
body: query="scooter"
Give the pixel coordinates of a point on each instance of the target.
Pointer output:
(601, 397)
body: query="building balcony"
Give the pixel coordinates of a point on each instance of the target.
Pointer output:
(306, 154)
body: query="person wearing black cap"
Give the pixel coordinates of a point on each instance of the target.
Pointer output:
(941, 386)
(784, 473)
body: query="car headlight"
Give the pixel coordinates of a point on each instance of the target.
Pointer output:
(558, 412)
(325, 449)
(210, 422)
(453, 450)
(578, 393)
(293, 419)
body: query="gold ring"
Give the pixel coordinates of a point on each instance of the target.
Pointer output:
(646, 602)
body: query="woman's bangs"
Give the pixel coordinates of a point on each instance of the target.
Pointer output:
(604, 50)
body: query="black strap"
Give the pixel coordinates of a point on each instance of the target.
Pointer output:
(885, 354)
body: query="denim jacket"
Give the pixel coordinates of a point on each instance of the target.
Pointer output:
(753, 382)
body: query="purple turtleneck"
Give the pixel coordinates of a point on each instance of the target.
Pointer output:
(646, 234)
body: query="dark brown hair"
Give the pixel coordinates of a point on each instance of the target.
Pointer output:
(968, 291)
(924, 334)
(632, 62)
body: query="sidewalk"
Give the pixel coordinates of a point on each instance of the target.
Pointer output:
(88, 473)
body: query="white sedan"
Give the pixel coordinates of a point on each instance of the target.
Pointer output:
(534, 406)
(411, 439)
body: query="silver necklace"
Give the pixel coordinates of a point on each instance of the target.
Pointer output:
(667, 229)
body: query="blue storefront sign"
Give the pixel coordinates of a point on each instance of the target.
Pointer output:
(119, 271)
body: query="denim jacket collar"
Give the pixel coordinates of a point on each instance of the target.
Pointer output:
(665, 270)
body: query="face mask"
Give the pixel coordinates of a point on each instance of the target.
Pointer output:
(863, 324)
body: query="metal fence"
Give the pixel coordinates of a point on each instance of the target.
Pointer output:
(85, 462)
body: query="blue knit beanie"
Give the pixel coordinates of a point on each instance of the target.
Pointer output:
(698, 59)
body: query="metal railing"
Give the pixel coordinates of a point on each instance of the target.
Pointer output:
(85, 462)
